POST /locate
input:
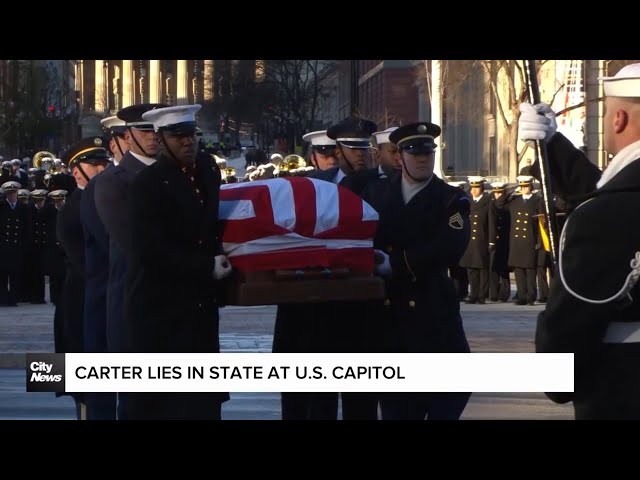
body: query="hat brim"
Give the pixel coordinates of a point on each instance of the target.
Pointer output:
(186, 128)
(355, 143)
(324, 149)
(419, 149)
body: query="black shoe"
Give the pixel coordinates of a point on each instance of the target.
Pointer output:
(519, 302)
(481, 301)
(470, 300)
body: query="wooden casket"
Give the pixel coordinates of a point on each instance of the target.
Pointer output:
(297, 240)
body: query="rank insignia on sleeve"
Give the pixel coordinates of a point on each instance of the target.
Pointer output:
(456, 222)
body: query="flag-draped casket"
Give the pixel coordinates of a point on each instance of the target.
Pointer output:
(298, 239)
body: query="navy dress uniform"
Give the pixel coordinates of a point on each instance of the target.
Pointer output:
(332, 327)
(476, 257)
(171, 294)
(424, 227)
(75, 334)
(100, 406)
(111, 202)
(499, 281)
(34, 271)
(319, 143)
(524, 239)
(54, 254)
(15, 237)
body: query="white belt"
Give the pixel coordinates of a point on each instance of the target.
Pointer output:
(623, 332)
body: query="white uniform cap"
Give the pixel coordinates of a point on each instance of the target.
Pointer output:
(23, 192)
(277, 157)
(458, 184)
(476, 181)
(625, 83)
(526, 179)
(498, 185)
(177, 119)
(39, 193)
(113, 121)
(318, 138)
(11, 186)
(16, 161)
(383, 136)
(58, 194)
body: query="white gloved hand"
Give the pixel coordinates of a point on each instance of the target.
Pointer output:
(222, 267)
(537, 122)
(384, 267)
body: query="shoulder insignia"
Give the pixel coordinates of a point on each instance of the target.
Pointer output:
(456, 222)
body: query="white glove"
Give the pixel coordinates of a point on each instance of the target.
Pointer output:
(222, 268)
(384, 267)
(537, 122)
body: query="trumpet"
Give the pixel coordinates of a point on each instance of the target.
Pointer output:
(229, 175)
(291, 165)
(43, 160)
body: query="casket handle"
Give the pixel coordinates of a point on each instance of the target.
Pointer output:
(299, 274)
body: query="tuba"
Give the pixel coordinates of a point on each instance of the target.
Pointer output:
(43, 160)
(291, 162)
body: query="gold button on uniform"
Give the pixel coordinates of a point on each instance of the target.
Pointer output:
(412, 303)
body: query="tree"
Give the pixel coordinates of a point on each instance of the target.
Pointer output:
(26, 122)
(297, 94)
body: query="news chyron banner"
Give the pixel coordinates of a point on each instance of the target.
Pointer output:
(300, 372)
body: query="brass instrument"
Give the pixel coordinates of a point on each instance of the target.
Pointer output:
(291, 162)
(43, 160)
(229, 175)
(54, 169)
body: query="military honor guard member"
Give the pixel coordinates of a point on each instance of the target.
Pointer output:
(387, 156)
(593, 306)
(85, 159)
(40, 218)
(114, 129)
(173, 291)
(524, 238)
(322, 150)
(54, 254)
(332, 327)
(499, 279)
(476, 258)
(15, 237)
(424, 228)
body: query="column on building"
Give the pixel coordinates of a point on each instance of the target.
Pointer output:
(127, 83)
(182, 83)
(208, 80)
(100, 100)
(154, 81)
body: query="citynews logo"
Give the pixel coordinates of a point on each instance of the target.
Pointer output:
(45, 372)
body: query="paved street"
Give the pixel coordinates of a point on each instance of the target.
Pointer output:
(490, 328)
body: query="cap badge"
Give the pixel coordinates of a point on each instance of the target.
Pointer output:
(422, 129)
(97, 141)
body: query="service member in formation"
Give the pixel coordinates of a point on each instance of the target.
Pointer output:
(322, 150)
(34, 274)
(424, 228)
(114, 129)
(333, 327)
(85, 159)
(593, 306)
(499, 279)
(524, 238)
(54, 254)
(111, 202)
(387, 155)
(15, 237)
(476, 257)
(172, 291)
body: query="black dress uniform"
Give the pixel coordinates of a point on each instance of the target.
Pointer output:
(524, 241)
(35, 267)
(15, 237)
(422, 237)
(499, 281)
(601, 238)
(100, 406)
(476, 256)
(54, 256)
(171, 297)
(332, 327)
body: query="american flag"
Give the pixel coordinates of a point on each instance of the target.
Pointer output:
(294, 223)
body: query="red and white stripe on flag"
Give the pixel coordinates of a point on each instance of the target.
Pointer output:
(296, 222)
